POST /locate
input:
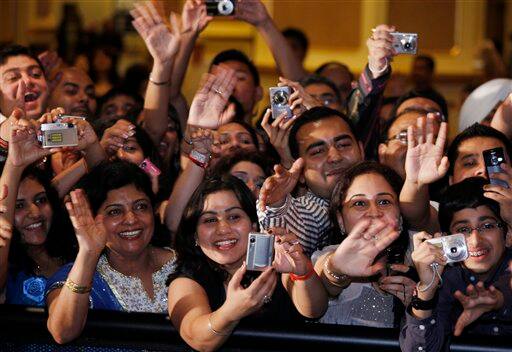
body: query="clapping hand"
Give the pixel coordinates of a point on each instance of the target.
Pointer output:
(424, 162)
(209, 103)
(161, 42)
(477, 301)
(355, 256)
(90, 232)
(289, 255)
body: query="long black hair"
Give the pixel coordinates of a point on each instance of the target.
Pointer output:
(60, 240)
(192, 262)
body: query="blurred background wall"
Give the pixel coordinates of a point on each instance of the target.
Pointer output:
(455, 32)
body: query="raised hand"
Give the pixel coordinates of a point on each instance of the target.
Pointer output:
(194, 17)
(161, 42)
(278, 186)
(5, 231)
(477, 301)
(380, 49)
(90, 232)
(85, 133)
(209, 103)
(355, 256)
(289, 256)
(501, 194)
(278, 133)
(252, 11)
(242, 302)
(51, 63)
(424, 161)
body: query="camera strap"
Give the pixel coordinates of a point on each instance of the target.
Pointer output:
(435, 273)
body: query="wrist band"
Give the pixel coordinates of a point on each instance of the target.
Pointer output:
(381, 70)
(158, 83)
(212, 329)
(199, 159)
(75, 288)
(304, 277)
(345, 279)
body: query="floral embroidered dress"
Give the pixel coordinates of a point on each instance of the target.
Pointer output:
(113, 290)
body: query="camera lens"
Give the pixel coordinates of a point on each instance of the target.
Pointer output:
(407, 45)
(253, 240)
(70, 125)
(280, 98)
(453, 250)
(494, 160)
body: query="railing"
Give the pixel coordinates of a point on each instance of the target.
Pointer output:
(24, 329)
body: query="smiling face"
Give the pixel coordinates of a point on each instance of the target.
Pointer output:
(128, 219)
(470, 160)
(328, 148)
(486, 245)
(75, 93)
(25, 70)
(223, 228)
(33, 213)
(369, 196)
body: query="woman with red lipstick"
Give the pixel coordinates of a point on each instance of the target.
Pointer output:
(117, 267)
(212, 291)
(474, 294)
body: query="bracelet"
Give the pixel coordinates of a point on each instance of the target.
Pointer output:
(304, 277)
(344, 278)
(212, 329)
(158, 83)
(75, 288)
(381, 70)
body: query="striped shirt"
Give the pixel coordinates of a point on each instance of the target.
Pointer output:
(307, 217)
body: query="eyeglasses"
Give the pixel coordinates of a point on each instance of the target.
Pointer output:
(401, 137)
(484, 228)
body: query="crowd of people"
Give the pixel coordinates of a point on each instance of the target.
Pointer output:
(150, 208)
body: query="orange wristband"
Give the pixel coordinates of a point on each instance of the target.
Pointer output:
(304, 277)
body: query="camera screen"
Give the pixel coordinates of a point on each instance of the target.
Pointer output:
(55, 137)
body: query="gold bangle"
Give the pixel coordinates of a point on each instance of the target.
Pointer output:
(75, 288)
(212, 329)
(158, 83)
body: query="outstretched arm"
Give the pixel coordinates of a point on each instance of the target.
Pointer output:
(255, 13)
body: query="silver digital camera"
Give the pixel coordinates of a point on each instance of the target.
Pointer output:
(405, 43)
(220, 7)
(58, 134)
(454, 247)
(260, 251)
(279, 101)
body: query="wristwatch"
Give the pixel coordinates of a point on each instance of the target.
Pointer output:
(419, 304)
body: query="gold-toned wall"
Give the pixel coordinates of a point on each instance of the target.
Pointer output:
(450, 30)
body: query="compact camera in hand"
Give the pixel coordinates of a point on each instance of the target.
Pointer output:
(405, 43)
(58, 134)
(493, 159)
(279, 101)
(220, 7)
(260, 251)
(454, 247)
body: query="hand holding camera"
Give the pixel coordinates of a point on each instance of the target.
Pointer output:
(252, 11)
(380, 49)
(241, 302)
(424, 255)
(278, 132)
(194, 16)
(289, 255)
(499, 173)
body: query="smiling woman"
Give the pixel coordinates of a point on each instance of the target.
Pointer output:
(211, 291)
(117, 267)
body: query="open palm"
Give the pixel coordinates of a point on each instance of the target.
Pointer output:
(425, 163)
(162, 43)
(90, 232)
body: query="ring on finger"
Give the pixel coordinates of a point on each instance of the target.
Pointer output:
(267, 299)
(217, 91)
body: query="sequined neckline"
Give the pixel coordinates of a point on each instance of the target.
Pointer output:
(129, 290)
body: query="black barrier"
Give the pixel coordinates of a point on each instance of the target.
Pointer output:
(24, 329)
